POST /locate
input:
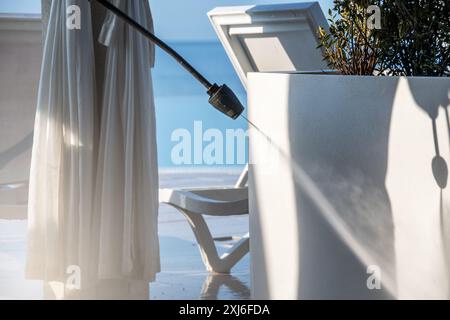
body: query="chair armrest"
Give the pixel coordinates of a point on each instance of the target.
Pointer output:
(208, 201)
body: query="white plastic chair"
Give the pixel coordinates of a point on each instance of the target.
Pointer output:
(196, 203)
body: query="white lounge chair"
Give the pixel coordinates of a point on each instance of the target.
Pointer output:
(252, 36)
(198, 202)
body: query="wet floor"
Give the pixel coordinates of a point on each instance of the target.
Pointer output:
(183, 274)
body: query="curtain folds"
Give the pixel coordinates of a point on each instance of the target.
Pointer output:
(93, 197)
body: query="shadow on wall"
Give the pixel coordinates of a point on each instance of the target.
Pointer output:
(437, 97)
(340, 139)
(430, 103)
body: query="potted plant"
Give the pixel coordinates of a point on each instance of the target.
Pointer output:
(364, 201)
(413, 40)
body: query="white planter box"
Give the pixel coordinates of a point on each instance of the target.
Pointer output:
(369, 145)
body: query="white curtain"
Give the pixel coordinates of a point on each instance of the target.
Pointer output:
(127, 179)
(93, 184)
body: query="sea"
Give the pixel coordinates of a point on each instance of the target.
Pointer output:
(182, 104)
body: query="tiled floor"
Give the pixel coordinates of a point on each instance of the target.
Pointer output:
(183, 275)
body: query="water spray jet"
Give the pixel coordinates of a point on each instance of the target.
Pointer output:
(221, 97)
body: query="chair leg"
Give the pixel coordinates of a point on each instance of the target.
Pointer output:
(208, 249)
(214, 282)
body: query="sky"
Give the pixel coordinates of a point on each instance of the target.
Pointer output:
(175, 20)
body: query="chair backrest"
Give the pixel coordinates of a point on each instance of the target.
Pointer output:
(253, 35)
(20, 56)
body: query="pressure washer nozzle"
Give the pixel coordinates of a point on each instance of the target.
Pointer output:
(223, 99)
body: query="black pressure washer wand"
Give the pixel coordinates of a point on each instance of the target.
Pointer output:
(220, 97)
